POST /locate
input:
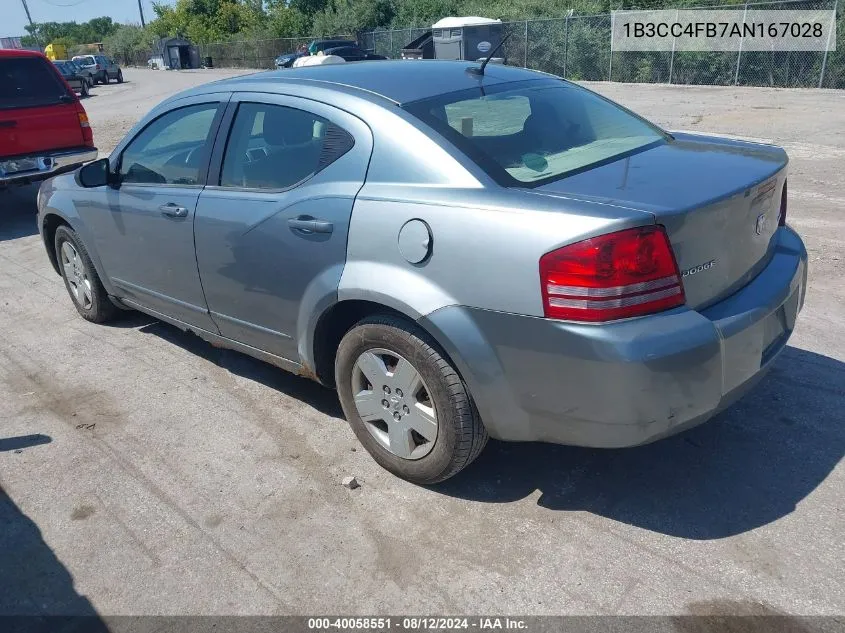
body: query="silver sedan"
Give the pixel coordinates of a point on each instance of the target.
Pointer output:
(458, 251)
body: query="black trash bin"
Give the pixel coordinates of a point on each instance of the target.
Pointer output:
(209, 63)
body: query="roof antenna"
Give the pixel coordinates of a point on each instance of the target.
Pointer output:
(480, 70)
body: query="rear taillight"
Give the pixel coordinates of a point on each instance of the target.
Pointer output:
(97, 67)
(87, 134)
(624, 274)
(782, 216)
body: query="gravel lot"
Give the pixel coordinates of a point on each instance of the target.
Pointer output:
(170, 477)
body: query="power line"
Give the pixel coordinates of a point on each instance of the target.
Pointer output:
(29, 17)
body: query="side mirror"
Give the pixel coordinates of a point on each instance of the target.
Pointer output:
(96, 174)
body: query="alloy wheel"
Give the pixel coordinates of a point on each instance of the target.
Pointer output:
(76, 275)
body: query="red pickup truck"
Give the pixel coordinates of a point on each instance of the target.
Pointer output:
(44, 129)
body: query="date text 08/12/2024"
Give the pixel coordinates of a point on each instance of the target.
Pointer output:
(416, 623)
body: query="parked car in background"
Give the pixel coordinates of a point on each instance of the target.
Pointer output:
(464, 252)
(78, 82)
(44, 129)
(82, 71)
(320, 45)
(112, 68)
(287, 60)
(101, 68)
(88, 73)
(352, 54)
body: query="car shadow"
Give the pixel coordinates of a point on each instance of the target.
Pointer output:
(747, 467)
(36, 589)
(20, 442)
(18, 211)
(312, 393)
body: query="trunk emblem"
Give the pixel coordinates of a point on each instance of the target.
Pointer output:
(697, 269)
(762, 220)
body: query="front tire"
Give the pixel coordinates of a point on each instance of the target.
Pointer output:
(429, 430)
(84, 91)
(81, 280)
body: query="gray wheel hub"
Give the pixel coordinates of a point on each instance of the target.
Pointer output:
(76, 275)
(395, 403)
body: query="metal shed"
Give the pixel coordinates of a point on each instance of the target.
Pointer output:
(177, 53)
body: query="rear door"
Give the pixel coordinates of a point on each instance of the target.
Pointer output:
(271, 225)
(37, 112)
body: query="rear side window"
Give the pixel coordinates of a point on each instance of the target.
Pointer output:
(27, 82)
(274, 147)
(530, 133)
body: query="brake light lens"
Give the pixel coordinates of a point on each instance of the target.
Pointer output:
(782, 216)
(87, 133)
(615, 276)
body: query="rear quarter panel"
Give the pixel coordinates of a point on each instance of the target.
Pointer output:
(486, 240)
(485, 246)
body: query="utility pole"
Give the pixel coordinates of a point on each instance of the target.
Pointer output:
(29, 17)
(141, 11)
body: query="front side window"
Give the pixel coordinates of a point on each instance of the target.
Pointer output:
(275, 147)
(172, 149)
(534, 132)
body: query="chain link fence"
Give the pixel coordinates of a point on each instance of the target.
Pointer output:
(579, 47)
(257, 53)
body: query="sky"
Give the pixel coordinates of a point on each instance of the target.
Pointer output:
(14, 17)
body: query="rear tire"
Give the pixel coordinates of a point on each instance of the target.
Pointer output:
(84, 91)
(429, 431)
(81, 280)
(120, 76)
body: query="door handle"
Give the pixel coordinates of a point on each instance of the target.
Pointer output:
(308, 224)
(173, 210)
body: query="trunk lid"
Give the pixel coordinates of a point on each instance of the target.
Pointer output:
(718, 198)
(33, 117)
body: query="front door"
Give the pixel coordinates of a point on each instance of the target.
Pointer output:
(144, 227)
(272, 223)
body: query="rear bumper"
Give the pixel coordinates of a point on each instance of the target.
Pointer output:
(41, 165)
(629, 382)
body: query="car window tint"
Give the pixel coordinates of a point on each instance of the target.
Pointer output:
(28, 81)
(171, 149)
(489, 117)
(275, 147)
(532, 133)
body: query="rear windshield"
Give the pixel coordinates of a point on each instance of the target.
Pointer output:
(85, 60)
(64, 68)
(530, 133)
(28, 81)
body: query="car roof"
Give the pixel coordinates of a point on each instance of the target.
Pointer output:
(19, 52)
(398, 81)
